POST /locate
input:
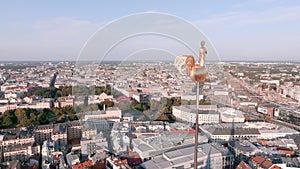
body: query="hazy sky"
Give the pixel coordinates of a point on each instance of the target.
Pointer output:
(239, 30)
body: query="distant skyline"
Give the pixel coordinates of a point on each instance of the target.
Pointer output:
(250, 30)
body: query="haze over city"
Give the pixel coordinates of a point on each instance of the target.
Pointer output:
(264, 30)
(149, 84)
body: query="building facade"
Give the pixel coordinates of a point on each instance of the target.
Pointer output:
(207, 114)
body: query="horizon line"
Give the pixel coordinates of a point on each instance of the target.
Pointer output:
(16, 61)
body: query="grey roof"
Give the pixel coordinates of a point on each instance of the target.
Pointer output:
(237, 131)
(214, 107)
(94, 112)
(157, 163)
(243, 145)
(127, 115)
(224, 150)
(70, 157)
(170, 140)
(17, 133)
(144, 147)
(179, 156)
(73, 123)
(98, 124)
(203, 149)
(99, 156)
(88, 125)
(205, 112)
(47, 126)
(193, 107)
(181, 160)
(58, 129)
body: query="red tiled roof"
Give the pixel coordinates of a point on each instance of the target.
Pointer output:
(286, 152)
(133, 159)
(84, 165)
(258, 160)
(243, 165)
(31, 87)
(266, 164)
(262, 142)
(189, 131)
(275, 167)
(100, 165)
(261, 161)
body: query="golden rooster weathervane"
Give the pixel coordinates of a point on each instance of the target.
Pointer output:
(197, 72)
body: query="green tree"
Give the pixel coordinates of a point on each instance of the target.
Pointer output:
(107, 103)
(66, 90)
(7, 122)
(43, 118)
(125, 105)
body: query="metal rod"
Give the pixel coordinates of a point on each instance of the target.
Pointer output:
(197, 129)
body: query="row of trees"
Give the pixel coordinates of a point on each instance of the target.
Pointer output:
(31, 117)
(154, 110)
(52, 92)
